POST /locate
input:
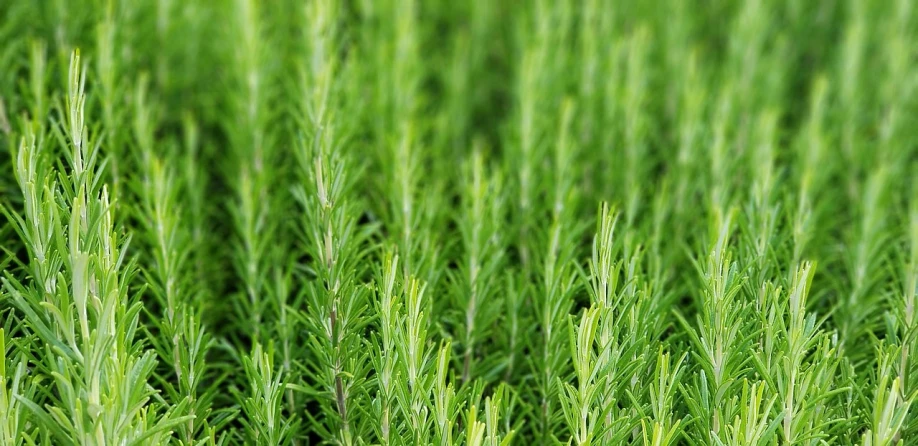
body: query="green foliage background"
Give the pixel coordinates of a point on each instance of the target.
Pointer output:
(482, 222)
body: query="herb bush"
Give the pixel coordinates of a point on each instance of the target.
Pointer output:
(403, 222)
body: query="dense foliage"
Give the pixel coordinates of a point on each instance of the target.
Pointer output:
(481, 222)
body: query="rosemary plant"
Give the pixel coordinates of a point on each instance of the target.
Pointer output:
(400, 222)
